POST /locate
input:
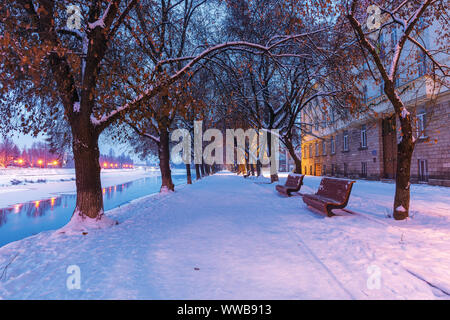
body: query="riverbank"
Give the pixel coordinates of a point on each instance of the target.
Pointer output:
(39, 184)
(226, 237)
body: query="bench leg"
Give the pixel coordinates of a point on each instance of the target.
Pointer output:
(329, 212)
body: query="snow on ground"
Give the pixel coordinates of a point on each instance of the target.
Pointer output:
(36, 184)
(226, 237)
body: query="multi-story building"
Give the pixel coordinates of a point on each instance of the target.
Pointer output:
(366, 146)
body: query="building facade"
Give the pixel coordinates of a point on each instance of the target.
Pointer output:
(365, 145)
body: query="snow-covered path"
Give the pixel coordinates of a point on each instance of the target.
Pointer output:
(226, 237)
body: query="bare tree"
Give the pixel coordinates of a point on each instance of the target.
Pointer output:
(405, 15)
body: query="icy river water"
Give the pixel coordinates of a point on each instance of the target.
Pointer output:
(25, 219)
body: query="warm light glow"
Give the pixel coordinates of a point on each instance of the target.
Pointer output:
(105, 164)
(36, 204)
(104, 190)
(17, 208)
(52, 201)
(40, 162)
(20, 161)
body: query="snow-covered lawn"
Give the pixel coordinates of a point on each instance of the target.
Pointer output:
(226, 237)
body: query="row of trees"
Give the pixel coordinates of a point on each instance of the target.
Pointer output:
(38, 155)
(110, 160)
(135, 69)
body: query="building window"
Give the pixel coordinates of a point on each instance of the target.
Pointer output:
(310, 151)
(423, 170)
(305, 172)
(421, 123)
(332, 116)
(381, 46)
(422, 64)
(363, 136)
(363, 169)
(365, 97)
(332, 169)
(345, 141)
(397, 81)
(316, 126)
(345, 169)
(310, 170)
(394, 38)
(332, 146)
(317, 149)
(324, 170)
(324, 150)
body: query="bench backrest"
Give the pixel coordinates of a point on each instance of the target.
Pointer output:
(293, 181)
(336, 189)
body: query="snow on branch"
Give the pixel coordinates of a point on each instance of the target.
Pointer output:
(76, 107)
(100, 22)
(193, 61)
(150, 136)
(404, 113)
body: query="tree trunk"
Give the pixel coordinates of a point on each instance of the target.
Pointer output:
(298, 162)
(188, 173)
(202, 168)
(404, 154)
(164, 160)
(258, 168)
(198, 176)
(87, 172)
(402, 180)
(273, 176)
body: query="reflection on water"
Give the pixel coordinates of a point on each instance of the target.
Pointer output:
(25, 219)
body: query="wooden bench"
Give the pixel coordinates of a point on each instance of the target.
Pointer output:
(332, 194)
(293, 184)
